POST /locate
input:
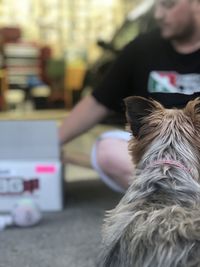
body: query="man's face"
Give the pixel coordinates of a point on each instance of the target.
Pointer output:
(175, 18)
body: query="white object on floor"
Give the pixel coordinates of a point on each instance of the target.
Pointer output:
(5, 220)
(26, 213)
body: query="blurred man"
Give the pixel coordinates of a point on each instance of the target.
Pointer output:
(163, 65)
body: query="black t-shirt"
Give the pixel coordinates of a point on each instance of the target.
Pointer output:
(150, 67)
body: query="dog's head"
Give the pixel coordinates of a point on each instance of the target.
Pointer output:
(150, 122)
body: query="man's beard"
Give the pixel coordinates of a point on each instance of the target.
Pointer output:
(179, 36)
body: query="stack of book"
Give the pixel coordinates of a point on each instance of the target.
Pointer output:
(22, 61)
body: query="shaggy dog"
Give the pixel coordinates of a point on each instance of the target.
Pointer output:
(157, 222)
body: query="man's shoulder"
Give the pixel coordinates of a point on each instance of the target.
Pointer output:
(151, 39)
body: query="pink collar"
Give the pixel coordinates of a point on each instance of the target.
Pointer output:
(169, 162)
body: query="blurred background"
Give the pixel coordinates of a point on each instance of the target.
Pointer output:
(53, 52)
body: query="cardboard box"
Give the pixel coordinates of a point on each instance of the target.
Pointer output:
(30, 164)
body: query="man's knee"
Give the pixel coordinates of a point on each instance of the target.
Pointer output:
(105, 156)
(113, 157)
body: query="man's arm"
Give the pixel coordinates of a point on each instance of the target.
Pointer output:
(86, 114)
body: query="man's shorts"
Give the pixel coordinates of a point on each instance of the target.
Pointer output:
(118, 134)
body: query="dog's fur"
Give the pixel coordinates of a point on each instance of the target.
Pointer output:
(157, 222)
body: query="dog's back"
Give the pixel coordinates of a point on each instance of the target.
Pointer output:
(169, 237)
(157, 222)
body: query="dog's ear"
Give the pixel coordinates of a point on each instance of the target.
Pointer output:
(137, 108)
(192, 109)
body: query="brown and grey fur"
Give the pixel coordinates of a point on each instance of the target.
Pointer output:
(157, 222)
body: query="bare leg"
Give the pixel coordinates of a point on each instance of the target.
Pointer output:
(114, 160)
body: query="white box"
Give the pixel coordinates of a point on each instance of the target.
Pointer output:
(30, 164)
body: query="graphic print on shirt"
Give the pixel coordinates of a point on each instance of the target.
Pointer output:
(173, 82)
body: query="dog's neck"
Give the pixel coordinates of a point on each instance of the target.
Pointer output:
(170, 162)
